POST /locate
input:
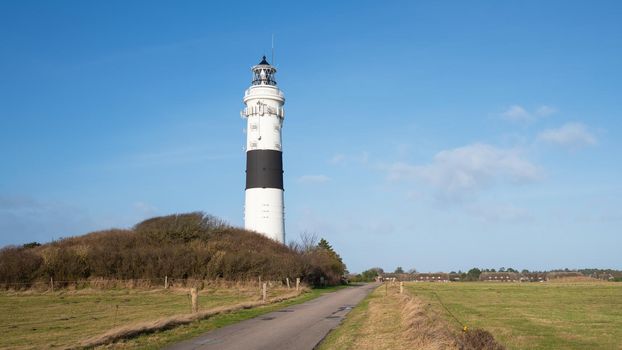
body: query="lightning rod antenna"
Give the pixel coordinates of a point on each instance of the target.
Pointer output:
(274, 64)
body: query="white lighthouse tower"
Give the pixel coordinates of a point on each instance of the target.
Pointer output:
(263, 209)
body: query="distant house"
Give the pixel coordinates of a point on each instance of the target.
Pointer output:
(454, 277)
(533, 277)
(431, 277)
(603, 276)
(395, 277)
(419, 277)
(499, 277)
(563, 274)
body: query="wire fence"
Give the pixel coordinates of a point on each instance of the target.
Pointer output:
(462, 324)
(31, 310)
(156, 282)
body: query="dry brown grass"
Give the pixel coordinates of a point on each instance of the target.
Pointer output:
(576, 279)
(478, 339)
(389, 320)
(132, 330)
(427, 330)
(423, 327)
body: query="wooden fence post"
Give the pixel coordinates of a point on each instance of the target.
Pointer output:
(52, 283)
(259, 282)
(287, 279)
(195, 299)
(264, 291)
(165, 282)
(297, 283)
(401, 287)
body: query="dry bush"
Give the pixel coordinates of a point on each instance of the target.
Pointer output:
(185, 247)
(19, 265)
(478, 339)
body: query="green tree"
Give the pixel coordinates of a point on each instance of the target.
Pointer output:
(325, 245)
(369, 275)
(336, 265)
(473, 274)
(399, 269)
(32, 245)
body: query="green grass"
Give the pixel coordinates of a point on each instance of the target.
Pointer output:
(535, 315)
(344, 336)
(61, 319)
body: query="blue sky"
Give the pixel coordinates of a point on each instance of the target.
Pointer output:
(433, 135)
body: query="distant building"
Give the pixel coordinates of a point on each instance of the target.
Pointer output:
(606, 276)
(499, 277)
(431, 277)
(455, 277)
(395, 277)
(533, 277)
(563, 274)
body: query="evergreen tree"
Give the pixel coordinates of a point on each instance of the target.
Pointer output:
(337, 266)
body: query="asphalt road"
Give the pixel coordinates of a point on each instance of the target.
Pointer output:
(300, 326)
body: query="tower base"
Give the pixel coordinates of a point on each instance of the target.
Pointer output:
(264, 212)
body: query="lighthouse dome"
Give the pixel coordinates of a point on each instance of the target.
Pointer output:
(263, 73)
(264, 61)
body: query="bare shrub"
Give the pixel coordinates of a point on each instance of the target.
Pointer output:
(18, 265)
(478, 339)
(183, 247)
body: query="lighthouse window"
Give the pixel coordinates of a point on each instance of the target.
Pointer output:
(253, 127)
(277, 146)
(253, 144)
(277, 128)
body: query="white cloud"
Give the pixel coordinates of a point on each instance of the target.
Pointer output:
(499, 212)
(572, 135)
(313, 179)
(24, 219)
(341, 159)
(517, 113)
(338, 159)
(145, 209)
(545, 111)
(468, 169)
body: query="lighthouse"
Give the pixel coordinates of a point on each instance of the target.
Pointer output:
(263, 209)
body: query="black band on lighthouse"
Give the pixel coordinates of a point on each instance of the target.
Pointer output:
(264, 169)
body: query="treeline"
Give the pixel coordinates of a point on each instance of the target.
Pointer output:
(475, 273)
(193, 245)
(607, 274)
(367, 275)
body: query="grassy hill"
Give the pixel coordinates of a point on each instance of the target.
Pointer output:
(183, 246)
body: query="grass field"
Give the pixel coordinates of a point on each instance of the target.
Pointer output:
(534, 315)
(585, 315)
(62, 319)
(372, 324)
